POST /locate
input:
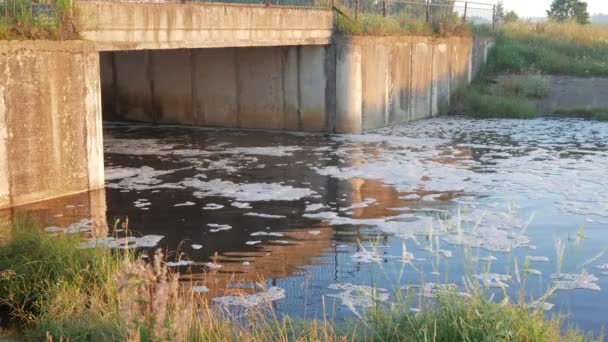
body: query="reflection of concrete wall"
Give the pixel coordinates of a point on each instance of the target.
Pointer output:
(382, 81)
(171, 25)
(270, 87)
(50, 121)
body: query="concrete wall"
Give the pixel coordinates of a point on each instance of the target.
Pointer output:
(169, 25)
(383, 81)
(50, 120)
(260, 87)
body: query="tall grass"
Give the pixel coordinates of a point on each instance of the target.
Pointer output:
(551, 48)
(57, 291)
(478, 102)
(59, 22)
(370, 24)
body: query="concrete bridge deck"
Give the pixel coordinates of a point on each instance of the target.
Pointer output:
(170, 25)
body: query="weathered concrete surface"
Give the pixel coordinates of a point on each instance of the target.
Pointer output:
(441, 86)
(349, 89)
(259, 87)
(383, 81)
(172, 25)
(568, 92)
(50, 120)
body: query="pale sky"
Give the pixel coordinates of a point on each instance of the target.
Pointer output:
(538, 8)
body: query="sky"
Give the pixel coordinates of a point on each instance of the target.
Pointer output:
(538, 8)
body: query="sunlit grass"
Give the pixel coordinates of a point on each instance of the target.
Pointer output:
(551, 48)
(53, 288)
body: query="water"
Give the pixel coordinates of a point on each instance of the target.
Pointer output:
(319, 216)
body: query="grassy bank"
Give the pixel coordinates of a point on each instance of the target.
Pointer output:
(551, 48)
(25, 19)
(399, 24)
(530, 51)
(52, 288)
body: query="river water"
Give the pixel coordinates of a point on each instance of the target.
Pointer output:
(316, 218)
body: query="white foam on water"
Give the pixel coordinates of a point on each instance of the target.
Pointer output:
(358, 296)
(314, 207)
(246, 192)
(366, 202)
(264, 215)
(142, 178)
(251, 243)
(433, 290)
(273, 151)
(200, 289)
(84, 225)
(216, 227)
(185, 204)
(272, 294)
(212, 206)
(179, 263)
(573, 281)
(212, 265)
(261, 233)
(494, 280)
(366, 257)
(314, 232)
(537, 258)
(241, 205)
(196, 246)
(145, 241)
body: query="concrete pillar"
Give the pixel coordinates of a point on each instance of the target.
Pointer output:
(215, 91)
(421, 80)
(5, 193)
(133, 85)
(401, 66)
(375, 83)
(172, 90)
(441, 79)
(312, 87)
(93, 121)
(291, 88)
(348, 88)
(260, 88)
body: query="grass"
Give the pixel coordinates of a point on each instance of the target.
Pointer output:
(477, 102)
(60, 23)
(56, 291)
(530, 51)
(551, 48)
(402, 24)
(600, 114)
(532, 86)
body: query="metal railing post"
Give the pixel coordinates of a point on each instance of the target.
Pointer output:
(494, 17)
(384, 8)
(356, 10)
(464, 16)
(428, 10)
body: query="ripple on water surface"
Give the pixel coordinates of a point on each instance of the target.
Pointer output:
(402, 206)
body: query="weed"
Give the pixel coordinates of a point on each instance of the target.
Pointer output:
(479, 104)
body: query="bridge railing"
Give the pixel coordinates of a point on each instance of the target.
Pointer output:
(325, 4)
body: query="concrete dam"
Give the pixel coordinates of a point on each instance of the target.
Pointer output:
(207, 64)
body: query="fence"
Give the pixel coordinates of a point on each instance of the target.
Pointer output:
(422, 11)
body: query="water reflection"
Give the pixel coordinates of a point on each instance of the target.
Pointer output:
(433, 201)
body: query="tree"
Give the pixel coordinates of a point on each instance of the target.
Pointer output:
(562, 10)
(511, 17)
(499, 14)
